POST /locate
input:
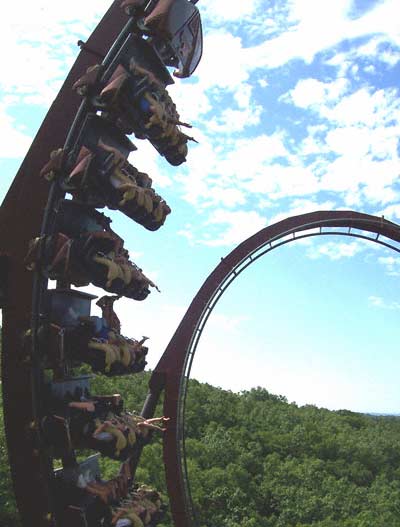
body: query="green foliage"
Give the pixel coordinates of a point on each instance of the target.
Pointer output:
(254, 460)
(8, 516)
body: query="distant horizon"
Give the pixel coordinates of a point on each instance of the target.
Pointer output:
(241, 392)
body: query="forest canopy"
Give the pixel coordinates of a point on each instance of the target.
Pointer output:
(256, 460)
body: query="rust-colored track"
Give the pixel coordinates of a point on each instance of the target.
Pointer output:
(20, 220)
(171, 371)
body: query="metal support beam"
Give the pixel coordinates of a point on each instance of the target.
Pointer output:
(20, 221)
(175, 363)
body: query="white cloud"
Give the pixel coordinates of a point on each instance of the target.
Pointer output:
(187, 232)
(224, 63)
(243, 95)
(357, 159)
(40, 43)
(226, 11)
(32, 71)
(247, 157)
(146, 159)
(370, 180)
(241, 225)
(231, 121)
(357, 142)
(335, 250)
(378, 49)
(364, 107)
(391, 212)
(195, 182)
(314, 93)
(192, 101)
(279, 181)
(391, 264)
(314, 142)
(317, 26)
(369, 58)
(228, 174)
(362, 130)
(14, 142)
(377, 301)
(302, 206)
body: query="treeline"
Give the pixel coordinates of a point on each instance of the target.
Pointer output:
(255, 460)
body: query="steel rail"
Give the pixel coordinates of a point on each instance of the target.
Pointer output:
(173, 369)
(40, 282)
(21, 219)
(22, 373)
(206, 314)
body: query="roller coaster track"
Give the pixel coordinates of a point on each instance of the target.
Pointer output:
(173, 370)
(30, 209)
(21, 219)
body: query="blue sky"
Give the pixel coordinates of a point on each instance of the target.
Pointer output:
(296, 108)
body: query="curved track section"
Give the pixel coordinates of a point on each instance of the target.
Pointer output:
(21, 216)
(173, 370)
(122, 75)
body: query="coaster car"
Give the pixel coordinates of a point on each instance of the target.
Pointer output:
(67, 410)
(133, 98)
(93, 257)
(98, 502)
(101, 175)
(94, 343)
(96, 422)
(142, 507)
(131, 92)
(84, 499)
(175, 29)
(138, 103)
(117, 355)
(117, 436)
